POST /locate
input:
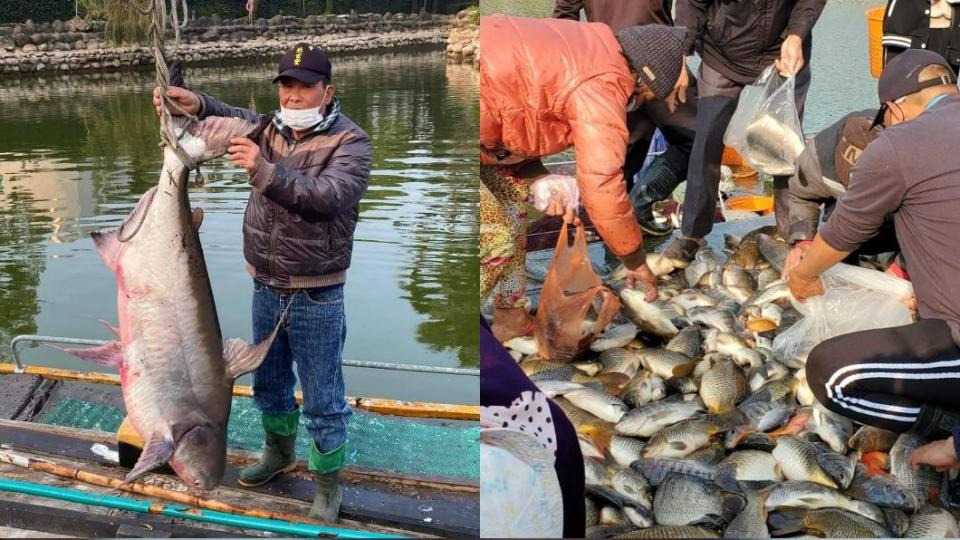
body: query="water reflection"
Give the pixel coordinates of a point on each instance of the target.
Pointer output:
(76, 152)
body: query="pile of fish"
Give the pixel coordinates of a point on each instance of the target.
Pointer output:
(691, 427)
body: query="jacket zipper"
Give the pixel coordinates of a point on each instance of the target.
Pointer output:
(275, 227)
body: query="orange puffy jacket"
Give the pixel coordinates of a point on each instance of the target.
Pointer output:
(549, 84)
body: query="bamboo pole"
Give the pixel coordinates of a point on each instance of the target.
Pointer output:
(158, 492)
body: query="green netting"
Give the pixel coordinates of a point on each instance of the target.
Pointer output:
(383, 442)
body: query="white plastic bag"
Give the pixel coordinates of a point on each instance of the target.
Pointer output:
(855, 299)
(765, 128)
(519, 487)
(545, 189)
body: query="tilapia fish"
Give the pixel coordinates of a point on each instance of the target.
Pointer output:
(657, 469)
(932, 522)
(925, 482)
(176, 371)
(687, 500)
(882, 490)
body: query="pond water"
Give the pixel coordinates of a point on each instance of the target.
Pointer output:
(77, 151)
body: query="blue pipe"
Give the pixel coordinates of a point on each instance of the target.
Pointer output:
(184, 512)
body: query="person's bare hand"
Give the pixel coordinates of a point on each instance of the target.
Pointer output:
(911, 303)
(646, 278)
(794, 257)
(802, 288)
(679, 93)
(554, 207)
(939, 454)
(245, 153)
(570, 217)
(187, 100)
(791, 56)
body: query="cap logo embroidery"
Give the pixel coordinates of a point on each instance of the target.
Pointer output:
(649, 73)
(298, 56)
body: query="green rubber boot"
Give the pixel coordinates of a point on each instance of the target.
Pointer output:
(279, 451)
(328, 494)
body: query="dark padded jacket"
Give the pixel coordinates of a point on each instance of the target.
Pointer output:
(830, 155)
(299, 223)
(617, 14)
(741, 38)
(906, 25)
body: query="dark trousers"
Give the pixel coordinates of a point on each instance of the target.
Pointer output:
(715, 107)
(677, 127)
(882, 377)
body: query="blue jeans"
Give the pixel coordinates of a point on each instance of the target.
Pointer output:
(312, 335)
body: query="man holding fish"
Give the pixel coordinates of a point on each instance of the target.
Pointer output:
(904, 378)
(308, 166)
(736, 41)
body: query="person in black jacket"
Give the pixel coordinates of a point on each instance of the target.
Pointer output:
(737, 41)
(932, 25)
(677, 121)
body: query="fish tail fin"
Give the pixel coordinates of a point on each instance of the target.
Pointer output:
(731, 504)
(242, 357)
(602, 437)
(727, 477)
(785, 521)
(216, 132)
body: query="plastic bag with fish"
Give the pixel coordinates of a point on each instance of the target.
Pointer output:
(855, 299)
(571, 292)
(765, 129)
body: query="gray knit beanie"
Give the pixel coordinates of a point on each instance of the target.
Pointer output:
(653, 52)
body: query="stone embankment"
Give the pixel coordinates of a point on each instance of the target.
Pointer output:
(78, 45)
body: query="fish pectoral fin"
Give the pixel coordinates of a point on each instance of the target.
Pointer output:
(107, 242)
(197, 215)
(156, 453)
(110, 354)
(133, 222)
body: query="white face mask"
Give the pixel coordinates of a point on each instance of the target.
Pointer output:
(300, 119)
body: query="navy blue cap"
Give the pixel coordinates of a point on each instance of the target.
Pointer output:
(900, 77)
(306, 63)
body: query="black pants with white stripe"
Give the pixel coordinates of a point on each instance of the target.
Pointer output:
(882, 377)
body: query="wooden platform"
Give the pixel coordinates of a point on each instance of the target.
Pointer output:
(373, 499)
